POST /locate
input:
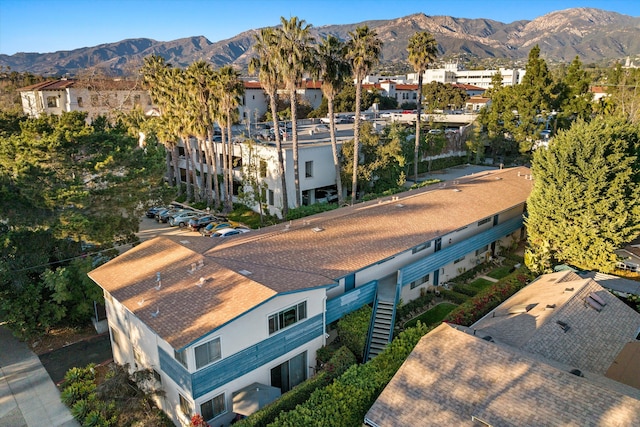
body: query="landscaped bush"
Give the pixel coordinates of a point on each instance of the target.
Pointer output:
(432, 316)
(349, 397)
(471, 311)
(353, 330)
(418, 304)
(453, 296)
(115, 400)
(306, 210)
(339, 363)
(465, 290)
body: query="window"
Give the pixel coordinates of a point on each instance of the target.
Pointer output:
(418, 282)
(137, 357)
(185, 406)
(181, 357)
(94, 100)
(483, 221)
(115, 336)
(207, 353)
(157, 376)
(271, 197)
(421, 247)
(263, 168)
(308, 169)
(52, 101)
(287, 317)
(482, 250)
(290, 373)
(214, 407)
(458, 260)
(80, 102)
(136, 100)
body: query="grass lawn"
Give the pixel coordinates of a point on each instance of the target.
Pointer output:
(432, 316)
(479, 284)
(500, 272)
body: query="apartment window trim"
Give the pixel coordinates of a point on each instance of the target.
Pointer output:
(52, 101)
(421, 247)
(418, 282)
(308, 169)
(185, 406)
(181, 357)
(484, 221)
(281, 320)
(212, 413)
(482, 250)
(213, 355)
(455, 261)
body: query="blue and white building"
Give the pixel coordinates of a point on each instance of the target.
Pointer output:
(220, 320)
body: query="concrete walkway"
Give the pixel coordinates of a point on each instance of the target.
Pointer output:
(28, 397)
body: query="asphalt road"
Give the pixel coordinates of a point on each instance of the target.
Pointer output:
(93, 350)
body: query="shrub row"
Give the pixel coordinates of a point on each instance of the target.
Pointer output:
(472, 310)
(345, 401)
(453, 296)
(465, 290)
(353, 330)
(417, 304)
(339, 363)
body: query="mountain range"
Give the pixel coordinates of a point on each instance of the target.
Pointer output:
(592, 34)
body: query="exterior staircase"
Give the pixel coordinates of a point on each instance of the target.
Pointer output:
(381, 329)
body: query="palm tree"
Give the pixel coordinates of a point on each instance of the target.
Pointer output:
(333, 68)
(295, 43)
(230, 90)
(266, 47)
(363, 52)
(423, 50)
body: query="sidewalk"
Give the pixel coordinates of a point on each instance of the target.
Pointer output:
(28, 396)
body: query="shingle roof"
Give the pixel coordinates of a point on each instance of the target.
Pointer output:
(291, 257)
(104, 84)
(452, 376)
(593, 338)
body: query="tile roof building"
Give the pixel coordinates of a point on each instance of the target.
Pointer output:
(213, 316)
(562, 351)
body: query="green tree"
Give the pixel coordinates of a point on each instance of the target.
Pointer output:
(585, 202)
(333, 69)
(574, 96)
(295, 55)
(266, 47)
(423, 50)
(363, 52)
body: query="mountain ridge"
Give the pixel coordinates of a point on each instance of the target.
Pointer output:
(592, 34)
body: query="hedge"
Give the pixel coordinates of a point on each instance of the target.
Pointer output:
(346, 401)
(353, 330)
(339, 363)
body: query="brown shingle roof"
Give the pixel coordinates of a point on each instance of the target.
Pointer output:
(452, 376)
(291, 257)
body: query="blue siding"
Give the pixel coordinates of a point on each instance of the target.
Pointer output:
(174, 370)
(251, 358)
(350, 301)
(449, 254)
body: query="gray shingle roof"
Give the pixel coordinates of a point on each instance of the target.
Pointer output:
(452, 376)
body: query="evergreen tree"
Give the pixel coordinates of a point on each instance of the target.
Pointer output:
(585, 202)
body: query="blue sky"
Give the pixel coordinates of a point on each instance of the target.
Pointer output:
(52, 25)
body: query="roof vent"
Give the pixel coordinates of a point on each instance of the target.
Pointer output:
(400, 205)
(155, 313)
(488, 338)
(576, 372)
(201, 282)
(563, 325)
(550, 307)
(568, 289)
(457, 190)
(158, 282)
(245, 272)
(593, 304)
(597, 299)
(317, 229)
(185, 242)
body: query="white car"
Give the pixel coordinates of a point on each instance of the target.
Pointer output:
(226, 232)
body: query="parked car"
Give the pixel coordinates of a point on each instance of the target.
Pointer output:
(182, 219)
(226, 232)
(326, 196)
(195, 224)
(152, 211)
(215, 226)
(165, 215)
